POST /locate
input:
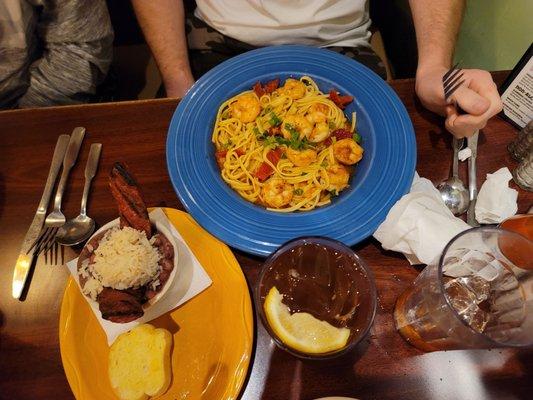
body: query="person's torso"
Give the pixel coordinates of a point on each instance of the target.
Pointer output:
(270, 22)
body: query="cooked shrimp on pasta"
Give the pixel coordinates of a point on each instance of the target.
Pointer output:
(288, 148)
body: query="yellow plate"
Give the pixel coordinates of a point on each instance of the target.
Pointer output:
(213, 332)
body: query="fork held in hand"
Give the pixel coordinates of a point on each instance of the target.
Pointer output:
(56, 219)
(452, 80)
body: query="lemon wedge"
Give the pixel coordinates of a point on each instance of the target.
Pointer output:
(302, 331)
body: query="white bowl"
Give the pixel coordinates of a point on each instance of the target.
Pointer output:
(161, 228)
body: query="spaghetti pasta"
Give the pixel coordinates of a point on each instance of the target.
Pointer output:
(288, 148)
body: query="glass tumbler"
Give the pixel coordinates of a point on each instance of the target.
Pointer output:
(324, 278)
(479, 295)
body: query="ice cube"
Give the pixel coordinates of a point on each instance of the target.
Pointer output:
(459, 295)
(453, 264)
(476, 260)
(491, 271)
(476, 318)
(477, 285)
(465, 301)
(464, 262)
(505, 281)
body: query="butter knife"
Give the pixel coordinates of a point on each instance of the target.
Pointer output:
(472, 181)
(25, 258)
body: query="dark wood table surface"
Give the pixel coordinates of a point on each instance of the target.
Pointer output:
(382, 367)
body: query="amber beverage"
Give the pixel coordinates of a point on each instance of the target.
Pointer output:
(475, 297)
(522, 224)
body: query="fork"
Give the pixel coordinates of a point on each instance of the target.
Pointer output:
(451, 81)
(56, 219)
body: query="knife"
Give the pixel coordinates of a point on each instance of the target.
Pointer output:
(25, 258)
(472, 181)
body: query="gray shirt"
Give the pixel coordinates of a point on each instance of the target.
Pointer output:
(52, 52)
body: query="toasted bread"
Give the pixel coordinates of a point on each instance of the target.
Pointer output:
(139, 363)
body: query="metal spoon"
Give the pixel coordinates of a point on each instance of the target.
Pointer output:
(79, 229)
(453, 191)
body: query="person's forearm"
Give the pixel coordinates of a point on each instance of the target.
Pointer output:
(437, 24)
(163, 24)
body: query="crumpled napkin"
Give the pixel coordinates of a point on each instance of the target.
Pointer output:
(496, 201)
(191, 279)
(419, 225)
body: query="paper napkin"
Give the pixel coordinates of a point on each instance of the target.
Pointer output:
(419, 225)
(464, 154)
(190, 280)
(496, 201)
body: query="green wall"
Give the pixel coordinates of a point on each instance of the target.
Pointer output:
(495, 33)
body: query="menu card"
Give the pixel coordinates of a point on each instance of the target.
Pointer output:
(517, 92)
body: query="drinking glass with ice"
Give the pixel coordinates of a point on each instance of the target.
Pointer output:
(479, 295)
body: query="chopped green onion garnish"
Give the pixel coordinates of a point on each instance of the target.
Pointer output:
(274, 120)
(298, 192)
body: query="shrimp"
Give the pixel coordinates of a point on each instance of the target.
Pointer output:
(246, 107)
(319, 133)
(301, 158)
(338, 177)
(347, 151)
(297, 122)
(277, 193)
(293, 88)
(317, 113)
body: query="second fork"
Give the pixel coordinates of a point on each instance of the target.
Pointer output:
(56, 219)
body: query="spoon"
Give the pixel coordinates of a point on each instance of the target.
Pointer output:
(79, 229)
(453, 191)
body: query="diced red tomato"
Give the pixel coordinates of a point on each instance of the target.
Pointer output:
(340, 101)
(341, 134)
(267, 88)
(271, 86)
(221, 154)
(265, 170)
(258, 89)
(338, 134)
(275, 155)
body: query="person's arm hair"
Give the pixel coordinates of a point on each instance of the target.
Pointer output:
(437, 24)
(163, 24)
(77, 49)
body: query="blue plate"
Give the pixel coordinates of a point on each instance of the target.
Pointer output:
(384, 174)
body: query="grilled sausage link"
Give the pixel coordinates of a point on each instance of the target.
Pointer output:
(127, 194)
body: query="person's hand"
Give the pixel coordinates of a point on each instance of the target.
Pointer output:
(477, 97)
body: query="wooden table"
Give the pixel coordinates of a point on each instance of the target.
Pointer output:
(383, 367)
